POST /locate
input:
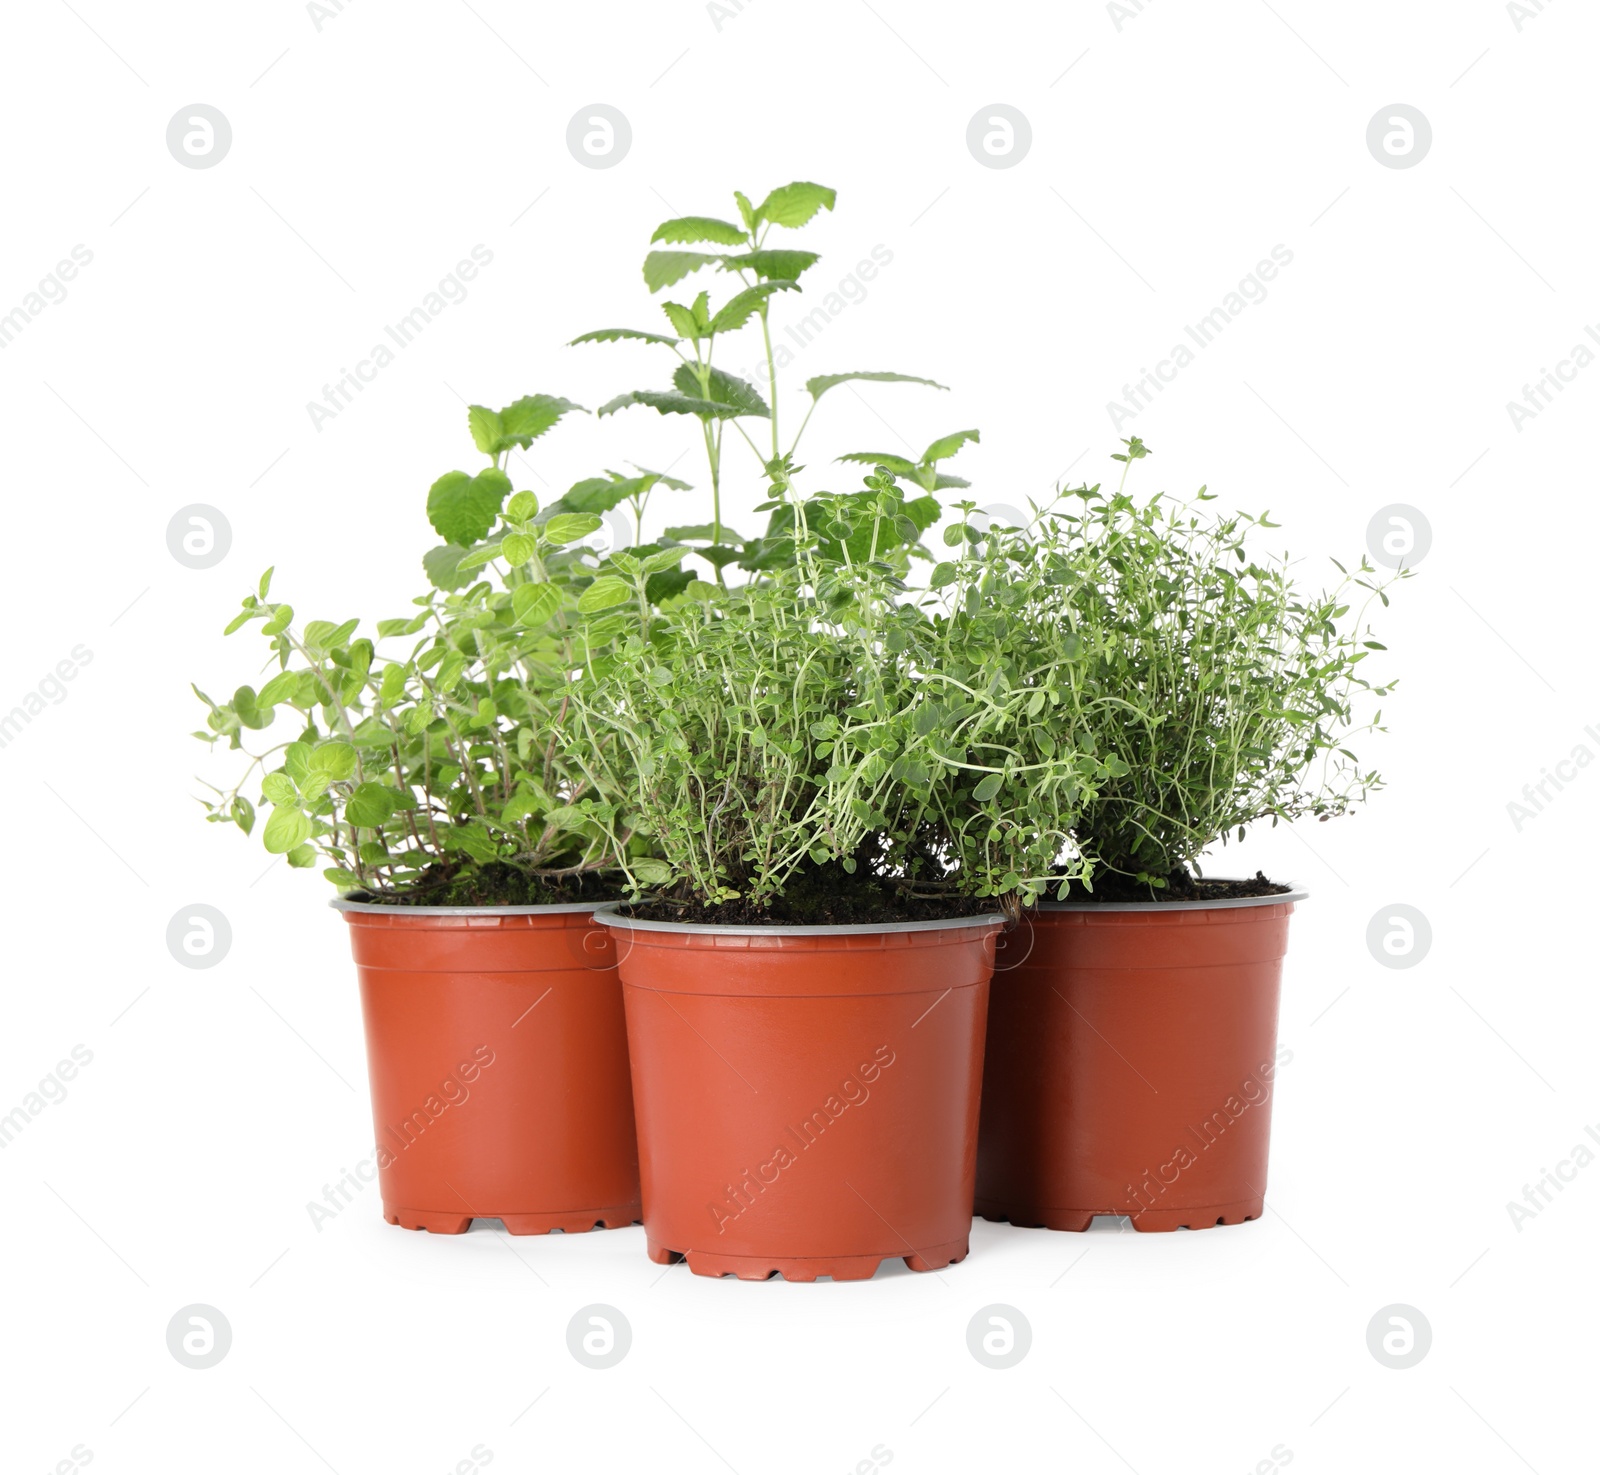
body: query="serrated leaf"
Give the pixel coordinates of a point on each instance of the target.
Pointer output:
(533, 604)
(523, 421)
(672, 404)
(684, 320)
(616, 335)
(747, 211)
(722, 388)
(736, 312)
(568, 527)
(794, 204)
(947, 445)
(606, 591)
(286, 828)
(485, 427)
(769, 265)
(663, 268)
(897, 464)
(687, 229)
(463, 508)
(819, 386)
(443, 567)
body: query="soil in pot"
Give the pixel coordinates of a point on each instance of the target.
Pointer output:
(806, 1098)
(497, 1054)
(1131, 1062)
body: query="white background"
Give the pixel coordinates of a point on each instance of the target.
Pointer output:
(1170, 153)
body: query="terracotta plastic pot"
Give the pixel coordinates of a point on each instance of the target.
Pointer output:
(1132, 1051)
(499, 1067)
(807, 1097)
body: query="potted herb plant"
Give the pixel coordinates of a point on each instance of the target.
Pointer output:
(1132, 1049)
(426, 766)
(805, 1019)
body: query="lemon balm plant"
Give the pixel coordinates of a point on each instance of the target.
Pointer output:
(762, 270)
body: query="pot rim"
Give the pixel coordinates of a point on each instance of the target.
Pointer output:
(1296, 892)
(390, 909)
(605, 915)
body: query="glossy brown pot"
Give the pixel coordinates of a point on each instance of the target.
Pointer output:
(498, 1062)
(807, 1097)
(1131, 1057)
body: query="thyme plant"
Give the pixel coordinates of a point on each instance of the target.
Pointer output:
(1211, 688)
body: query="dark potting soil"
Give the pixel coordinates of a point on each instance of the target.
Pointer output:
(1181, 886)
(449, 884)
(821, 896)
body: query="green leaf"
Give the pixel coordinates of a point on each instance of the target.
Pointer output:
(947, 446)
(265, 584)
(282, 618)
(606, 591)
(486, 429)
(303, 857)
(819, 386)
(684, 320)
(243, 813)
(747, 211)
(897, 464)
(944, 573)
(688, 229)
(663, 268)
(371, 805)
(672, 404)
(523, 507)
(286, 828)
(768, 265)
(482, 554)
(533, 604)
(615, 335)
(666, 583)
(463, 508)
(737, 310)
(297, 761)
(281, 688)
(988, 787)
(526, 419)
(568, 527)
(278, 788)
(651, 872)
(443, 567)
(336, 759)
(240, 620)
(598, 493)
(518, 548)
(794, 204)
(722, 389)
